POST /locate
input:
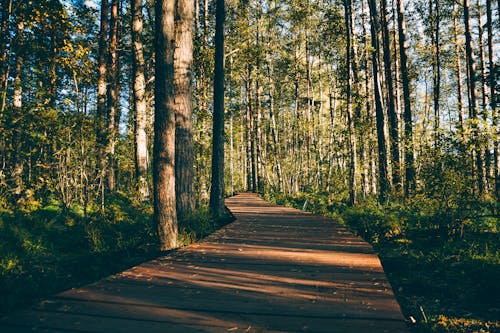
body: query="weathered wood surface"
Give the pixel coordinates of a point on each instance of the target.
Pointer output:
(274, 269)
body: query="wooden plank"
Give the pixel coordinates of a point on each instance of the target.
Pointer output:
(274, 269)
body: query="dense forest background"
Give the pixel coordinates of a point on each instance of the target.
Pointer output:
(381, 114)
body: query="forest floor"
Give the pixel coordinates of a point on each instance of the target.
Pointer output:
(45, 249)
(445, 281)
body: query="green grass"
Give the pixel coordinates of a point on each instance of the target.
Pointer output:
(444, 266)
(45, 249)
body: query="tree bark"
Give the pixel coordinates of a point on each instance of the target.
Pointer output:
(485, 151)
(4, 66)
(165, 215)
(101, 96)
(139, 89)
(369, 185)
(408, 127)
(494, 111)
(274, 129)
(383, 179)
(434, 13)
(217, 189)
(112, 90)
(458, 68)
(391, 112)
(471, 75)
(350, 117)
(17, 103)
(248, 133)
(183, 62)
(258, 119)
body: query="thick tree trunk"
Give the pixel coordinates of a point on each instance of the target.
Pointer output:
(139, 89)
(165, 215)
(391, 112)
(383, 179)
(408, 127)
(217, 189)
(183, 62)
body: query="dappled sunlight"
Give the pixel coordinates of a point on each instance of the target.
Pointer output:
(263, 273)
(276, 285)
(292, 255)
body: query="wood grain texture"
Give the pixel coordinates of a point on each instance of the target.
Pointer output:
(274, 269)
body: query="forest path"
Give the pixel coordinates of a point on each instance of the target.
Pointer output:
(274, 269)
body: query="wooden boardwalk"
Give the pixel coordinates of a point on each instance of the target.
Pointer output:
(274, 269)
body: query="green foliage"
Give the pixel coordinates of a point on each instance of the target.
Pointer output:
(49, 248)
(199, 225)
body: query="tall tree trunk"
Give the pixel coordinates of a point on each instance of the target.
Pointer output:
(408, 137)
(274, 129)
(248, 133)
(217, 189)
(258, 118)
(434, 13)
(259, 146)
(350, 117)
(458, 68)
(18, 163)
(112, 91)
(101, 97)
(485, 137)
(383, 179)
(370, 185)
(482, 62)
(391, 112)
(491, 83)
(165, 215)
(4, 29)
(139, 89)
(471, 75)
(183, 61)
(251, 132)
(4, 72)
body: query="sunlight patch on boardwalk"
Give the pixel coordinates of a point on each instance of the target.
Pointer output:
(274, 269)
